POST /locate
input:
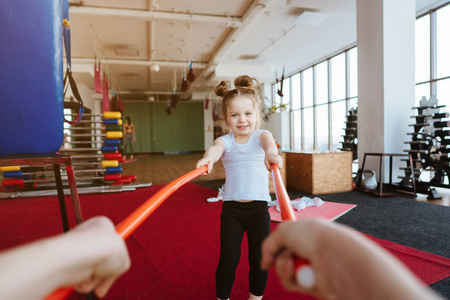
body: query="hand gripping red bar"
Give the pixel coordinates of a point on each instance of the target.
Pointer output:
(130, 223)
(304, 273)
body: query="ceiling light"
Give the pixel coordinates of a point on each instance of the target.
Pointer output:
(131, 76)
(251, 59)
(127, 52)
(254, 62)
(310, 18)
(154, 67)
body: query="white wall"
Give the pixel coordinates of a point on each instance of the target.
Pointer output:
(278, 125)
(207, 117)
(90, 100)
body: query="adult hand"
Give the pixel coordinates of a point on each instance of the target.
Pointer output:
(106, 260)
(89, 257)
(347, 265)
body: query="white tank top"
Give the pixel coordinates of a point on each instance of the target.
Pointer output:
(247, 177)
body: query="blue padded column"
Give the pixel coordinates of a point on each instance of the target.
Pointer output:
(31, 77)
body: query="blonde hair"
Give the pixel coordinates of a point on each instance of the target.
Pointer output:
(245, 86)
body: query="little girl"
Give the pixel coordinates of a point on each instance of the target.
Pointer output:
(246, 153)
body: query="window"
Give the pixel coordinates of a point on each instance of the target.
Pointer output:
(433, 58)
(353, 104)
(319, 99)
(322, 127)
(338, 80)
(443, 92)
(286, 92)
(322, 83)
(295, 101)
(296, 124)
(443, 42)
(338, 114)
(322, 95)
(308, 87)
(321, 124)
(353, 72)
(423, 49)
(296, 129)
(308, 126)
(276, 98)
(421, 91)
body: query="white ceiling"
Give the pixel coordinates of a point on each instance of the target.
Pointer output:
(224, 39)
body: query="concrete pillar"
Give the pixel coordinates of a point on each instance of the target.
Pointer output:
(386, 83)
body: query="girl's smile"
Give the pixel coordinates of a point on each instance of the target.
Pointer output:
(242, 116)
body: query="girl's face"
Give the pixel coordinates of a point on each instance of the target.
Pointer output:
(242, 116)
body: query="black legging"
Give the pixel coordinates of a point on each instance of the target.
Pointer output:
(236, 218)
(128, 141)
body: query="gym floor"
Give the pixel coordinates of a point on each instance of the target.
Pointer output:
(163, 168)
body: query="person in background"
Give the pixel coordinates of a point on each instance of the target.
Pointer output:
(347, 265)
(246, 153)
(129, 135)
(89, 257)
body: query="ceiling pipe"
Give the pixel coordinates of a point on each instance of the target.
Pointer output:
(254, 11)
(151, 93)
(147, 63)
(149, 15)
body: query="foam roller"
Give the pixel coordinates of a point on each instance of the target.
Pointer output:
(112, 115)
(113, 170)
(10, 168)
(112, 142)
(109, 149)
(12, 174)
(114, 134)
(110, 163)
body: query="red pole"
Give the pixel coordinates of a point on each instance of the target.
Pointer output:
(304, 273)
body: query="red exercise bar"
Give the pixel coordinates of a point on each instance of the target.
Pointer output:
(112, 177)
(113, 156)
(304, 273)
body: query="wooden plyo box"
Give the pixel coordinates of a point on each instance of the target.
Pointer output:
(282, 172)
(319, 173)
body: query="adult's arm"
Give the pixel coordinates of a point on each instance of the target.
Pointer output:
(89, 257)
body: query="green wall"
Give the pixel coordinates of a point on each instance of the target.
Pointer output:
(156, 131)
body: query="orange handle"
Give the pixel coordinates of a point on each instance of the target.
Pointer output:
(130, 223)
(304, 273)
(287, 212)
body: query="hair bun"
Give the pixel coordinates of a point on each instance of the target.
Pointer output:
(222, 89)
(245, 81)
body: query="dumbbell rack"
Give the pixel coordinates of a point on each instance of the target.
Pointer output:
(350, 142)
(93, 145)
(429, 148)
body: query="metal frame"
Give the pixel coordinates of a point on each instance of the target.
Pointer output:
(381, 173)
(56, 160)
